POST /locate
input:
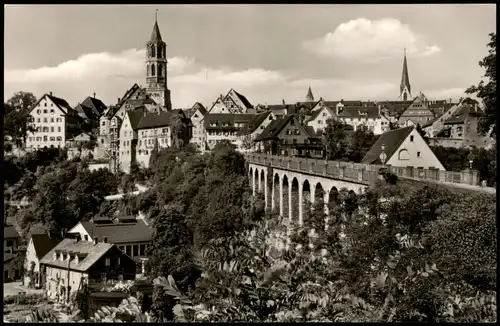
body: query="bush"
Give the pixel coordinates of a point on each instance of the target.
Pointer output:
(24, 299)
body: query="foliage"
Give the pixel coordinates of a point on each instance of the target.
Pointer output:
(128, 311)
(487, 91)
(24, 299)
(247, 142)
(17, 119)
(457, 159)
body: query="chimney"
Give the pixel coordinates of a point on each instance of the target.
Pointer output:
(95, 241)
(379, 109)
(50, 93)
(118, 101)
(94, 94)
(283, 101)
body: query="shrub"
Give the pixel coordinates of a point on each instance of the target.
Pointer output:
(24, 299)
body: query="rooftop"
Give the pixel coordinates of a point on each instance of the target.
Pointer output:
(391, 139)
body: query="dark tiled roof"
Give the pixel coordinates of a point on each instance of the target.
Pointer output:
(220, 119)
(9, 232)
(392, 140)
(96, 104)
(86, 112)
(7, 256)
(43, 243)
(135, 117)
(243, 99)
(156, 35)
(276, 126)
(199, 106)
(153, 120)
(460, 115)
(359, 112)
(431, 122)
(316, 113)
(61, 103)
(120, 232)
(93, 253)
(254, 123)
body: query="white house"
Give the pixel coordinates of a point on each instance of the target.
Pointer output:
(403, 148)
(253, 129)
(55, 122)
(38, 246)
(199, 134)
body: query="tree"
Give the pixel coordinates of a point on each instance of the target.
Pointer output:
(360, 142)
(335, 139)
(247, 142)
(487, 91)
(17, 118)
(178, 130)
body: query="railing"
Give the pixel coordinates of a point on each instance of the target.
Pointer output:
(361, 173)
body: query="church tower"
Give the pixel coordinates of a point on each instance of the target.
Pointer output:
(404, 88)
(156, 69)
(309, 96)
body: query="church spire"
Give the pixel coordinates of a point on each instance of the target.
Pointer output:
(155, 35)
(405, 89)
(309, 96)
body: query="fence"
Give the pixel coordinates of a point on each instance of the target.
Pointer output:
(361, 173)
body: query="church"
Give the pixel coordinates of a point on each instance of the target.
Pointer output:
(154, 98)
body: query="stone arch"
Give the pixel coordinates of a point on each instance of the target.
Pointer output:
(295, 199)
(250, 172)
(403, 155)
(153, 69)
(319, 193)
(262, 183)
(256, 180)
(285, 201)
(153, 52)
(275, 192)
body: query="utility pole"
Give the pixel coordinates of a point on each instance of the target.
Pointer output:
(68, 287)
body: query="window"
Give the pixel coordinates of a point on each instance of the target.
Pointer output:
(44, 119)
(105, 239)
(51, 110)
(38, 111)
(51, 119)
(418, 154)
(324, 114)
(411, 138)
(140, 142)
(86, 237)
(38, 120)
(59, 129)
(107, 262)
(292, 123)
(45, 104)
(142, 250)
(118, 261)
(51, 129)
(44, 138)
(403, 155)
(59, 138)
(52, 138)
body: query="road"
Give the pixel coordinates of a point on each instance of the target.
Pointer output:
(13, 288)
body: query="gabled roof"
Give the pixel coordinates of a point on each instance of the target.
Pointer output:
(220, 119)
(254, 123)
(155, 34)
(61, 103)
(86, 112)
(43, 244)
(392, 140)
(9, 232)
(359, 112)
(199, 106)
(276, 126)
(135, 117)
(97, 106)
(460, 115)
(316, 113)
(243, 99)
(154, 120)
(93, 253)
(120, 232)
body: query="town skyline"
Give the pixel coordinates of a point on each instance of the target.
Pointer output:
(108, 57)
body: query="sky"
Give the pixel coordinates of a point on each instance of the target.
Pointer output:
(269, 53)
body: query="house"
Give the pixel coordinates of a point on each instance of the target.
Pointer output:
(90, 110)
(55, 122)
(80, 139)
(131, 235)
(436, 125)
(367, 115)
(73, 263)
(38, 246)
(418, 113)
(11, 270)
(462, 125)
(233, 102)
(252, 130)
(403, 147)
(11, 239)
(199, 138)
(287, 137)
(220, 126)
(128, 138)
(161, 130)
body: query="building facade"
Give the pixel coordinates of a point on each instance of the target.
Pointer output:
(55, 122)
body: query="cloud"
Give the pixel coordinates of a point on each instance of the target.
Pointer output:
(371, 41)
(110, 75)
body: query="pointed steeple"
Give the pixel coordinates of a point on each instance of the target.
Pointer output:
(309, 96)
(155, 35)
(405, 80)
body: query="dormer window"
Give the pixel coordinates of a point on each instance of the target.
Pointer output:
(54, 256)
